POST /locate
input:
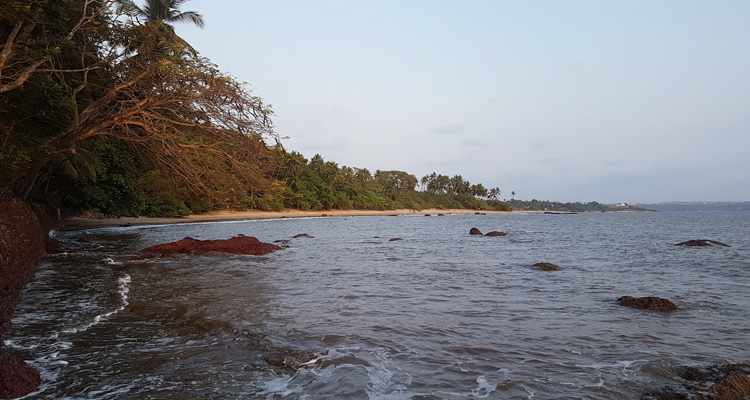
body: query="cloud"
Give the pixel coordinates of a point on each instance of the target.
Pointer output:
(448, 129)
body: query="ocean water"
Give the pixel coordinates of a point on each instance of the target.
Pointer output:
(351, 314)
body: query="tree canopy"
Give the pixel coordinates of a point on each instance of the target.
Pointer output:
(103, 105)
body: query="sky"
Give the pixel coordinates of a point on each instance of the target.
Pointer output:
(635, 101)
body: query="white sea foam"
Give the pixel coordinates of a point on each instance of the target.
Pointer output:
(484, 388)
(122, 290)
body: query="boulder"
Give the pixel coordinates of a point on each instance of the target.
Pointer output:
(301, 235)
(474, 231)
(728, 382)
(495, 233)
(16, 377)
(545, 266)
(647, 303)
(236, 245)
(394, 239)
(702, 243)
(22, 245)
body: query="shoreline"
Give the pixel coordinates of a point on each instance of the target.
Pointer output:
(83, 222)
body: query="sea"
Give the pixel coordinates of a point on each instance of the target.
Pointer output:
(389, 307)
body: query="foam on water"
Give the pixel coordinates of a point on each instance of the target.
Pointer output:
(122, 291)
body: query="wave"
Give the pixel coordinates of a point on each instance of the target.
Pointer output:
(122, 290)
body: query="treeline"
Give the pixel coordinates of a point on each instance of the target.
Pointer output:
(546, 205)
(322, 185)
(103, 105)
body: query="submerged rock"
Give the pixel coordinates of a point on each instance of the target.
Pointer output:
(475, 231)
(702, 243)
(647, 303)
(236, 245)
(545, 266)
(726, 382)
(495, 233)
(301, 235)
(394, 239)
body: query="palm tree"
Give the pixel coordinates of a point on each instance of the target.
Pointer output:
(157, 17)
(163, 12)
(512, 195)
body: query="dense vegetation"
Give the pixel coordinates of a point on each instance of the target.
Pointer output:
(546, 205)
(103, 105)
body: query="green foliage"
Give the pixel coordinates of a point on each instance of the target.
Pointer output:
(119, 113)
(108, 180)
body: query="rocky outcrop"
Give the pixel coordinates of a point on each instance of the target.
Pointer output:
(545, 266)
(495, 233)
(302, 235)
(236, 245)
(647, 303)
(475, 231)
(22, 244)
(702, 243)
(16, 377)
(724, 382)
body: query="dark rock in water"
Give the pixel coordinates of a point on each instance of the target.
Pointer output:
(647, 303)
(394, 239)
(282, 241)
(16, 377)
(427, 215)
(23, 238)
(723, 382)
(495, 233)
(301, 235)
(441, 215)
(236, 245)
(702, 243)
(475, 231)
(545, 266)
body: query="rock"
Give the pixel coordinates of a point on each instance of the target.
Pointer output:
(495, 233)
(647, 303)
(394, 239)
(301, 235)
(22, 245)
(427, 215)
(441, 215)
(474, 231)
(702, 243)
(16, 377)
(736, 385)
(723, 382)
(236, 245)
(545, 266)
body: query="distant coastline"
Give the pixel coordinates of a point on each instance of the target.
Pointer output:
(699, 206)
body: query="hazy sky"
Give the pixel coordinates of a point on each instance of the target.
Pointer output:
(612, 101)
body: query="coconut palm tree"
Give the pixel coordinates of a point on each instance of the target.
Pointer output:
(163, 12)
(156, 18)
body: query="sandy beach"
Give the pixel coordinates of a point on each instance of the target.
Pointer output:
(75, 223)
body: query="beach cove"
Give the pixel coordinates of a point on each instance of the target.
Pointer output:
(346, 311)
